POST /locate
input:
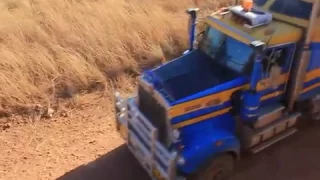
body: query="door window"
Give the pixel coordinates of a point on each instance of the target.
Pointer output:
(275, 57)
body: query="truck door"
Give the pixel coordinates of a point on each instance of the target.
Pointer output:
(317, 28)
(279, 57)
(311, 81)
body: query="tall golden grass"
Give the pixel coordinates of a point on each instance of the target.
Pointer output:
(53, 49)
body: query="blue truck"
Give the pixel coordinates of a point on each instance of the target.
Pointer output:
(250, 73)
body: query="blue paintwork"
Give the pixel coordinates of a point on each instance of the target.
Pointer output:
(313, 65)
(195, 75)
(312, 82)
(200, 145)
(200, 137)
(314, 59)
(256, 73)
(250, 106)
(270, 90)
(239, 81)
(296, 8)
(272, 100)
(200, 112)
(268, 108)
(184, 77)
(226, 104)
(309, 94)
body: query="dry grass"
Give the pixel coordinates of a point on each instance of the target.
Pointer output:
(51, 49)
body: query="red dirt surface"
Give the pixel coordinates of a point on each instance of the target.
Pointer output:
(84, 146)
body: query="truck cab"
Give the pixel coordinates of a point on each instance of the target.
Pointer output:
(229, 93)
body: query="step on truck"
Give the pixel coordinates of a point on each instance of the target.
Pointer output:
(249, 74)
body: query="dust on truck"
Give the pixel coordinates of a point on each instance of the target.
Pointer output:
(249, 74)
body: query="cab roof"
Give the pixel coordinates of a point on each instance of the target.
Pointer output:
(274, 33)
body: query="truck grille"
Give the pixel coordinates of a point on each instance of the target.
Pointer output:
(153, 111)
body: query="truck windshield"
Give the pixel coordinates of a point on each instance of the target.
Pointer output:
(226, 51)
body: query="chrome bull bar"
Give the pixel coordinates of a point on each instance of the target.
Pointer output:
(142, 140)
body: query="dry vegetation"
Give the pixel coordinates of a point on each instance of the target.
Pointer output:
(58, 49)
(73, 53)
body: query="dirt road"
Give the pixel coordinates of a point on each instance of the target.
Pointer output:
(296, 158)
(84, 146)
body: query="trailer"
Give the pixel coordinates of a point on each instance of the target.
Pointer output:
(250, 73)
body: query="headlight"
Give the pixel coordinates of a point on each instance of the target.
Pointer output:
(176, 134)
(181, 161)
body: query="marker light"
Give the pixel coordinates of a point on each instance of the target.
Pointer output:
(176, 135)
(247, 5)
(181, 161)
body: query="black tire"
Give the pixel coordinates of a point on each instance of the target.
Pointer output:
(221, 168)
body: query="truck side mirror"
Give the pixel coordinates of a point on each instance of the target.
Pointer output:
(259, 48)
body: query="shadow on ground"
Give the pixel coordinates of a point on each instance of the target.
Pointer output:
(292, 159)
(118, 164)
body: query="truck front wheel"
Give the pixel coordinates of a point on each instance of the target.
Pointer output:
(221, 168)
